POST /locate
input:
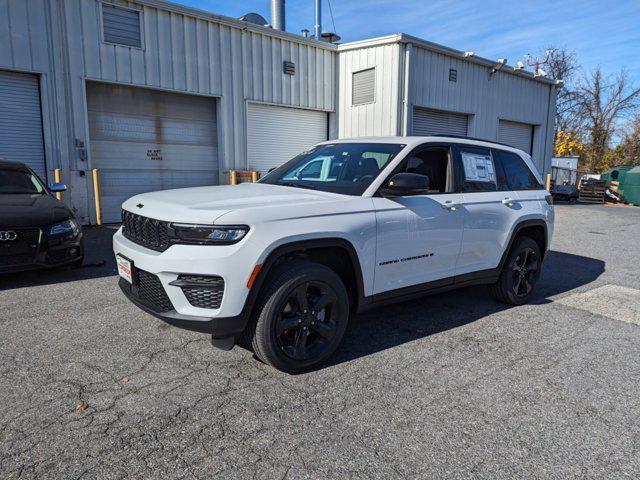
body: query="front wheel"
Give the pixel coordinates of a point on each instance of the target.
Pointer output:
(519, 274)
(300, 317)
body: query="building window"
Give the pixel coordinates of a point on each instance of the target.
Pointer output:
(453, 75)
(364, 87)
(121, 26)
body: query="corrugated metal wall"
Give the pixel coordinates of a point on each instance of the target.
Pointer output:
(487, 99)
(182, 51)
(379, 118)
(187, 54)
(26, 45)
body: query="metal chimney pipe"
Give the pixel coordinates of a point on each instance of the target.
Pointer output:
(278, 14)
(317, 27)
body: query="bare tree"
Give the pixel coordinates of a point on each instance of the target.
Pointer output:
(602, 102)
(630, 144)
(562, 64)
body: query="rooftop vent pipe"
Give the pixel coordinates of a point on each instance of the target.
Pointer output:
(277, 15)
(317, 27)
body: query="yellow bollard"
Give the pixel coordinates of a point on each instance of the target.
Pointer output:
(57, 177)
(96, 195)
(548, 182)
(233, 177)
(255, 176)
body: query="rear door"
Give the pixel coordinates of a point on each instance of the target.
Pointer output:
(490, 208)
(527, 189)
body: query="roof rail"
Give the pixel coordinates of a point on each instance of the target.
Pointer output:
(476, 139)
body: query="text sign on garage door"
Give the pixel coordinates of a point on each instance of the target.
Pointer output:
(154, 154)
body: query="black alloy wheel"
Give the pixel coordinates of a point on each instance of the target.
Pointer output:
(524, 272)
(300, 316)
(307, 325)
(520, 272)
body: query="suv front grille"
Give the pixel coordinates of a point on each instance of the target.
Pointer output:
(151, 292)
(23, 249)
(145, 231)
(202, 291)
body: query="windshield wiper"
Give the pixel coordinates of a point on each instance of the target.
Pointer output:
(297, 185)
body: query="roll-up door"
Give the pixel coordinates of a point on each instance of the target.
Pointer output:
(515, 134)
(21, 121)
(277, 134)
(437, 122)
(146, 140)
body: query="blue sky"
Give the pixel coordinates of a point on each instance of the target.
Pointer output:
(605, 33)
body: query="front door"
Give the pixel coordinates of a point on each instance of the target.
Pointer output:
(419, 237)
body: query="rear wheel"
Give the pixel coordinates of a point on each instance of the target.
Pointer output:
(300, 317)
(519, 274)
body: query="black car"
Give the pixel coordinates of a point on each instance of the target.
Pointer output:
(36, 229)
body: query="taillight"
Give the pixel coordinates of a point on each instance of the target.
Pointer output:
(549, 199)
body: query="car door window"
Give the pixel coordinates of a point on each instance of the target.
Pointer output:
(478, 169)
(518, 175)
(435, 163)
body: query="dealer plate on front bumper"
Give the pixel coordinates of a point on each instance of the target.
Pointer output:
(124, 268)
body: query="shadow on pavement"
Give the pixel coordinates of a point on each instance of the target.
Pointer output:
(98, 262)
(394, 325)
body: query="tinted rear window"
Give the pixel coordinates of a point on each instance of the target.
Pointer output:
(516, 172)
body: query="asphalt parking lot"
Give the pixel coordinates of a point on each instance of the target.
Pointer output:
(454, 386)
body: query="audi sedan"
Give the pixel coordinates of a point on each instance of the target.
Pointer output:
(36, 229)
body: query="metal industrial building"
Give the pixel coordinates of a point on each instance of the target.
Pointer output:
(157, 95)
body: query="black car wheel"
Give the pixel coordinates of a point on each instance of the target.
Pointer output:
(301, 316)
(519, 274)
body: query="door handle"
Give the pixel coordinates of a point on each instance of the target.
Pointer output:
(450, 205)
(508, 202)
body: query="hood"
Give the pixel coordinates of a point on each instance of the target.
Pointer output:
(206, 204)
(27, 210)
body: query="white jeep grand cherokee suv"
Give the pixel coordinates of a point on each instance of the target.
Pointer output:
(279, 265)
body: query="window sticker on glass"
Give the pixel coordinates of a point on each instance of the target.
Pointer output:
(478, 168)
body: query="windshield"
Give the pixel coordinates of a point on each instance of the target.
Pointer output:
(19, 181)
(347, 168)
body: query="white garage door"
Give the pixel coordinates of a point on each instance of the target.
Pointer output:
(277, 134)
(21, 121)
(515, 134)
(145, 140)
(437, 122)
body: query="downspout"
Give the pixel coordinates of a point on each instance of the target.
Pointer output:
(406, 79)
(549, 130)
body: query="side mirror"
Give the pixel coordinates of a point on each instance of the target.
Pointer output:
(404, 184)
(58, 187)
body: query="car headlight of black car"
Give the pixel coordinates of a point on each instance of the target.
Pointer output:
(69, 227)
(208, 234)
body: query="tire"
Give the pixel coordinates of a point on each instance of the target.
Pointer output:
(286, 331)
(516, 284)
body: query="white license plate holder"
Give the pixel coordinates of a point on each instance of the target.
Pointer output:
(125, 268)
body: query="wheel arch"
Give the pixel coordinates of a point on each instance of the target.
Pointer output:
(337, 253)
(535, 228)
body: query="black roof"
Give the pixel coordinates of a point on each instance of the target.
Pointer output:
(8, 164)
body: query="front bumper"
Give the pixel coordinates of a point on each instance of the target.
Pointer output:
(50, 253)
(164, 268)
(218, 327)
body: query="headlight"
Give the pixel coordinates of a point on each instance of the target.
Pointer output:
(208, 235)
(66, 227)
